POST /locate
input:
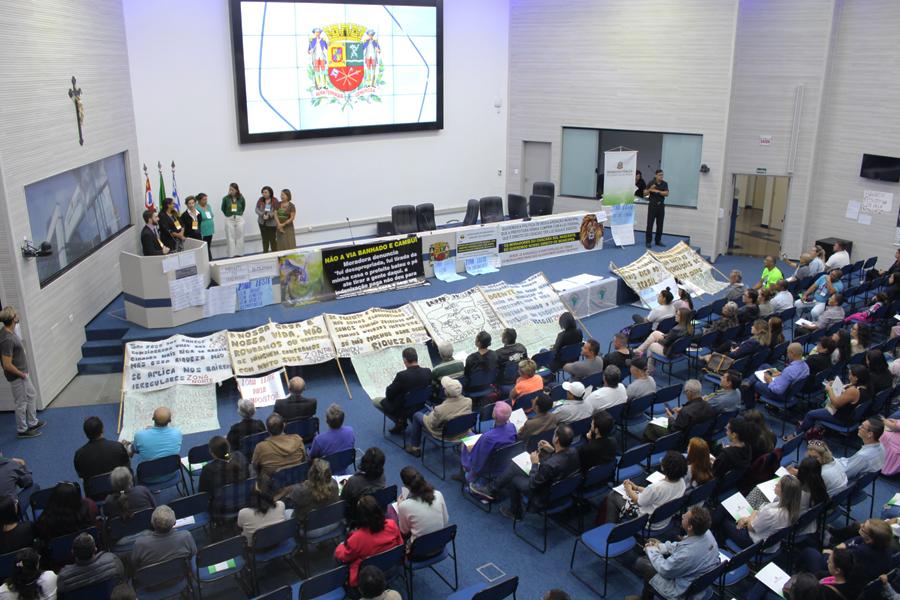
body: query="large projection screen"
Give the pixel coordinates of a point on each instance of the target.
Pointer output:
(316, 69)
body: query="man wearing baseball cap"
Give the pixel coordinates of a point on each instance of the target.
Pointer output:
(454, 405)
(574, 408)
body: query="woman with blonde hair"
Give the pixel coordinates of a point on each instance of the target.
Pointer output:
(770, 517)
(699, 463)
(527, 383)
(832, 472)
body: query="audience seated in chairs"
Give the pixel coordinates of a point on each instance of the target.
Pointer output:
(699, 463)
(501, 434)
(620, 354)
(783, 299)
(669, 568)
(263, 510)
(590, 362)
(318, 491)
(643, 500)
(610, 394)
(869, 542)
(66, 512)
(542, 420)
(813, 300)
(880, 378)
(14, 476)
(777, 383)
(736, 287)
(162, 439)
(374, 535)
(661, 343)
(296, 405)
(279, 450)
(569, 334)
(226, 467)
(91, 566)
(727, 321)
(768, 518)
(246, 426)
(337, 438)
(664, 310)
(447, 367)
(527, 383)
(575, 407)
(642, 383)
(727, 398)
(433, 421)
(696, 410)
(763, 438)
(421, 508)
(369, 478)
(15, 534)
(839, 408)
(372, 585)
(126, 498)
(162, 542)
(736, 454)
(27, 579)
(749, 311)
(868, 315)
(870, 457)
(483, 359)
(833, 314)
(832, 472)
(412, 377)
(99, 455)
(511, 351)
(599, 447)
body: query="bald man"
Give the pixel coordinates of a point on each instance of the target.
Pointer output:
(777, 383)
(296, 406)
(160, 439)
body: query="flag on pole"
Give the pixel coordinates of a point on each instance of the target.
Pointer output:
(162, 190)
(175, 190)
(148, 199)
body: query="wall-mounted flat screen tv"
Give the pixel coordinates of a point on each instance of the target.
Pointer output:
(882, 168)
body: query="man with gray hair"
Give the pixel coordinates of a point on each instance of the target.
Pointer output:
(162, 542)
(337, 438)
(802, 267)
(736, 288)
(454, 405)
(611, 393)
(695, 410)
(90, 566)
(296, 406)
(246, 426)
(448, 367)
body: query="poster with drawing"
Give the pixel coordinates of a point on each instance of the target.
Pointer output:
(376, 370)
(193, 409)
(456, 317)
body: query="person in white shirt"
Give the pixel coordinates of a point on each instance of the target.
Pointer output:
(840, 258)
(648, 499)
(263, 509)
(574, 408)
(612, 392)
(770, 517)
(832, 472)
(422, 510)
(665, 309)
(783, 299)
(870, 457)
(27, 579)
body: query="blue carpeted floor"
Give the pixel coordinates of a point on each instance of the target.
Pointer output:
(483, 538)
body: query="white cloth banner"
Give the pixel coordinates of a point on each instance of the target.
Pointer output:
(179, 359)
(531, 301)
(647, 278)
(193, 409)
(522, 241)
(304, 343)
(457, 317)
(263, 391)
(375, 329)
(376, 370)
(690, 269)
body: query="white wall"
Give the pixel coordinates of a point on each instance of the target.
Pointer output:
(651, 65)
(780, 45)
(860, 116)
(43, 44)
(184, 101)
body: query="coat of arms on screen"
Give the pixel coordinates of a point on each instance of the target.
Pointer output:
(345, 65)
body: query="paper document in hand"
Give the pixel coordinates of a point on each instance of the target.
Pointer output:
(768, 489)
(805, 323)
(837, 386)
(518, 418)
(469, 442)
(773, 577)
(761, 375)
(661, 421)
(737, 506)
(341, 480)
(523, 461)
(723, 557)
(655, 476)
(189, 520)
(620, 490)
(895, 501)
(781, 472)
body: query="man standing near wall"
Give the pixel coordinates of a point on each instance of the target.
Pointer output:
(15, 367)
(656, 193)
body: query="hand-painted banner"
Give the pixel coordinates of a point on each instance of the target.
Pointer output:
(374, 330)
(376, 370)
(690, 269)
(176, 360)
(263, 391)
(193, 409)
(254, 351)
(531, 301)
(304, 343)
(647, 278)
(455, 317)
(522, 241)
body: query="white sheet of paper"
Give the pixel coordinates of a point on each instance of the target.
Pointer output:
(761, 375)
(620, 490)
(655, 476)
(865, 218)
(662, 421)
(837, 386)
(518, 418)
(768, 489)
(805, 323)
(584, 279)
(773, 577)
(170, 263)
(781, 472)
(895, 500)
(523, 461)
(737, 506)
(852, 212)
(189, 520)
(723, 558)
(469, 442)
(340, 480)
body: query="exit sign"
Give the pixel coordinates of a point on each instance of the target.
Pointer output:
(760, 171)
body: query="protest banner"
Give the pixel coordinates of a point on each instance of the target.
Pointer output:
(264, 390)
(619, 168)
(481, 241)
(303, 343)
(374, 267)
(647, 278)
(193, 409)
(376, 370)
(690, 269)
(254, 351)
(456, 317)
(302, 279)
(522, 241)
(179, 359)
(531, 301)
(255, 293)
(375, 329)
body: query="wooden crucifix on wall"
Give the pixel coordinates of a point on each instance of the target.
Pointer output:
(75, 95)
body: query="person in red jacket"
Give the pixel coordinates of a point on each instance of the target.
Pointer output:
(375, 535)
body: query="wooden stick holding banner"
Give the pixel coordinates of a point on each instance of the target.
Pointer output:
(122, 392)
(337, 357)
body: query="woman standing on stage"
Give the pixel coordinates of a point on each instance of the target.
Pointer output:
(171, 231)
(284, 218)
(233, 206)
(190, 219)
(207, 225)
(265, 216)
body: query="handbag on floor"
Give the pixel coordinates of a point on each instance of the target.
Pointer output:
(719, 363)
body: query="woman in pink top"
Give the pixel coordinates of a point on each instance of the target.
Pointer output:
(890, 439)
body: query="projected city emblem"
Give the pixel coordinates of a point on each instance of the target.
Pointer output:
(345, 65)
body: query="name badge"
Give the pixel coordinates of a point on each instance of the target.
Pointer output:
(234, 207)
(177, 225)
(194, 225)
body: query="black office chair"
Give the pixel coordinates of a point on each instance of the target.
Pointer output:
(403, 218)
(491, 209)
(471, 212)
(516, 206)
(425, 217)
(540, 205)
(544, 188)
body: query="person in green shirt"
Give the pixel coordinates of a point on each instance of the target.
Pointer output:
(233, 206)
(207, 225)
(771, 274)
(449, 367)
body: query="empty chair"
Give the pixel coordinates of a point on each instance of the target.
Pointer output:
(516, 206)
(403, 218)
(219, 561)
(498, 590)
(325, 586)
(471, 212)
(544, 188)
(491, 208)
(425, 217)
(539, 205)
(164, 579)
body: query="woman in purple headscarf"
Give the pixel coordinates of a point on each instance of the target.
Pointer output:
(474, 461)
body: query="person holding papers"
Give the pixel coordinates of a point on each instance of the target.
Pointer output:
(574, 408)
(669, 568)
(542, 420)
(842, 400)
(474, 460)
(695, 411)
(833, 313)
(770, 517)
(548, 464)
(639, 500)
(813, 300)
(454, 405)
(775, 383)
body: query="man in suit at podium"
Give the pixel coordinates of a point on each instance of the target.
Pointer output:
(150, 242)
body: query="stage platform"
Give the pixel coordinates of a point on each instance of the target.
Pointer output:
(108, 332)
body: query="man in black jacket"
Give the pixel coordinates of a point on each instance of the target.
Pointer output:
(150, 242)
(512, 351)
(412, 377)
(296, 406)
(549, 464)
(696, 410)
(99, 455)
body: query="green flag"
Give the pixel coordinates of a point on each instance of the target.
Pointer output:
(162, 191)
